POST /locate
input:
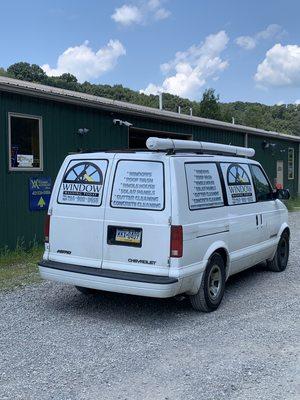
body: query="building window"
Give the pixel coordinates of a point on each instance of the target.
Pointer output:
(25, 142)
(291, 163)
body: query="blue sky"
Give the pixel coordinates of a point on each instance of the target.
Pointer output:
(248, 51)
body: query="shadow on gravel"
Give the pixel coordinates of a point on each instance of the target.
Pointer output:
(120, 307)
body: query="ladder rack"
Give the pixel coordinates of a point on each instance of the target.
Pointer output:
(173, 145)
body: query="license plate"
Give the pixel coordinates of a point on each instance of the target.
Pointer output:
(128, 236)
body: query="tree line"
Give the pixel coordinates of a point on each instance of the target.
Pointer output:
(280, 118)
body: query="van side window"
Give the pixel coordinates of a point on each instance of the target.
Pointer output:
(204, 186)
(238, 183)
(138, 185)
(262, 187)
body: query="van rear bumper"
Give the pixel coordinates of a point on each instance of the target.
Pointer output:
(109, 280)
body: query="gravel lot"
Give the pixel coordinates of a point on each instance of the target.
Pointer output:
(58, 344)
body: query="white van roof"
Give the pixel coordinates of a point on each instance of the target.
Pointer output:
(159, 156)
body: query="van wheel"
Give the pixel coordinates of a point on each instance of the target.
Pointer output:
(212, 287)
(280, 260)
(85, 290)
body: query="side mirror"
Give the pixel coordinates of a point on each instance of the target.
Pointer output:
(281, 194)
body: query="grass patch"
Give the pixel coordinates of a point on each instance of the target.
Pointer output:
(293, 204)
(19, 267)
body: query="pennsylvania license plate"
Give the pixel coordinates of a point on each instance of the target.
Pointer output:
(128, 236)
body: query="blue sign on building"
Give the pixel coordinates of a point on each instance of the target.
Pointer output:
(39, 193)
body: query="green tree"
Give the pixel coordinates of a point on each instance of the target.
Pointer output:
(209, 105)
(3, 72)
(27, 72)
(69, 78)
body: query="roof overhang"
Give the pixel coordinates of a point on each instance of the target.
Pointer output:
(83, 99)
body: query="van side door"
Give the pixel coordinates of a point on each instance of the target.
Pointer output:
(244, 227)
(270, 210)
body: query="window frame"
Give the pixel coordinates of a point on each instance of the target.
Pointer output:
(40, 121)
(267, 179)
(293, 152)
(134, 208)
(224, 195)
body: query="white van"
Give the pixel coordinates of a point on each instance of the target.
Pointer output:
(179, 218)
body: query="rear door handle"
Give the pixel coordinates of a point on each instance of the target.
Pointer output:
(256, 216)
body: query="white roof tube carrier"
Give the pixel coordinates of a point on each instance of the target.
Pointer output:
(154, 143)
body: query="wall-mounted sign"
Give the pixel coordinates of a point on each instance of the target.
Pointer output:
(25, 160)
(39, 193)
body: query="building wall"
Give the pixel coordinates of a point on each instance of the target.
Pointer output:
(60, 124)
(268, 158)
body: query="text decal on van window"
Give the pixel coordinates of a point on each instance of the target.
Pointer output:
(204, 186)
(238, 182)
(82, 183)
(138, 185)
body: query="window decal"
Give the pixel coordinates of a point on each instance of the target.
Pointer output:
(204, 186)
(239, 186)
(138, 185)
(83, 182)
(236, 175)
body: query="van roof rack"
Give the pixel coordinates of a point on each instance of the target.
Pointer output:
(176, 145)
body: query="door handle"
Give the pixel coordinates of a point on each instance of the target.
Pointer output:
(259, 219)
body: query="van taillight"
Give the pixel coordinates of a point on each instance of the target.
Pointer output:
(47, 228)
(176, 241)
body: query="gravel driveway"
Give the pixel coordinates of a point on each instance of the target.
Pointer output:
(58, 344)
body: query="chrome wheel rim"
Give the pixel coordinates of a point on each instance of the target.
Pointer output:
(214, 282)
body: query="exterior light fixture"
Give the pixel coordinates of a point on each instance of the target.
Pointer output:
(82, 131)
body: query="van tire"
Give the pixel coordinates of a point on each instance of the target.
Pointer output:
(85, 290)
(281, 257)
(204, 300)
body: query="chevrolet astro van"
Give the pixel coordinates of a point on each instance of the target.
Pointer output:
(176, 219)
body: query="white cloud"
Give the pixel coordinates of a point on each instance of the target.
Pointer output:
(161, 13)
(127, 15)
(190, 69)
(281, 67)
(272, 31)
(130, 14)
(247, 42)
(86, 64)
(297, 102)
(280, 103)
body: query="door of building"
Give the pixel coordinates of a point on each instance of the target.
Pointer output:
(279, 174)
(137, 137)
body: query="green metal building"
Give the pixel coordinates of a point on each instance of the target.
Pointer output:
(40, 125)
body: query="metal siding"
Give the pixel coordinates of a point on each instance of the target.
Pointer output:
(268, 158)
(60, 124)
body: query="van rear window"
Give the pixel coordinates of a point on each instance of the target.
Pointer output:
(138, 185)
(83, 183)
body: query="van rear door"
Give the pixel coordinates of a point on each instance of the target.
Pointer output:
(77, 210)
(136, 228)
